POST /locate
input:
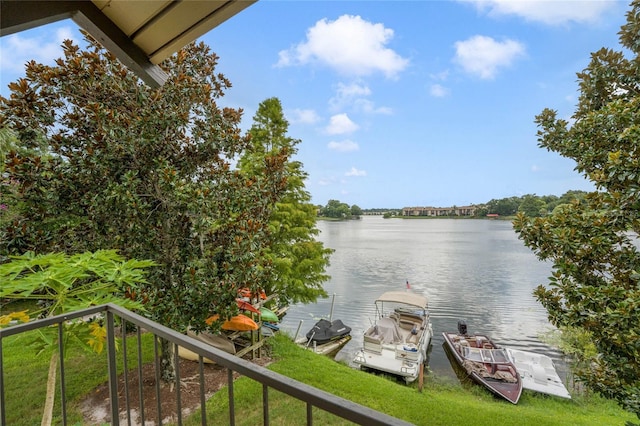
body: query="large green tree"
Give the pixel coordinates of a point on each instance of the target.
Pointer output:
(148, 172)
(298, 260)
(595, 285)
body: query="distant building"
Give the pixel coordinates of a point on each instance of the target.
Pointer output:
(439, 211)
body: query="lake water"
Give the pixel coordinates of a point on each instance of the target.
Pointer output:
(474, 270)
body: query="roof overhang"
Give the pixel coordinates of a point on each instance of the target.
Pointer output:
(140, 33)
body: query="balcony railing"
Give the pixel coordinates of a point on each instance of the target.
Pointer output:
(113, 314)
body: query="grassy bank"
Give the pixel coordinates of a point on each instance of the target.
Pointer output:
(439, 403)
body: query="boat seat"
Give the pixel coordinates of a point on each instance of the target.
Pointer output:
(387, 331)
(412, 338)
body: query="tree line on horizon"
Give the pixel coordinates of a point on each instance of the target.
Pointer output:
(531, 205)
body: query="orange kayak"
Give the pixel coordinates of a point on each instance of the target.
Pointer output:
(237, 323)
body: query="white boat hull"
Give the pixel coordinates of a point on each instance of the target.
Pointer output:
(538, 373)
(330, 349)
(398, 342)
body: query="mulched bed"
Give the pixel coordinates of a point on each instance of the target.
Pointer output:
(96, 409)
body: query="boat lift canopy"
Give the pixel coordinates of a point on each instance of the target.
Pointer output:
(406, 297)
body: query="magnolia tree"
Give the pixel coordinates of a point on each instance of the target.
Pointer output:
(592, 242)
(148, 172)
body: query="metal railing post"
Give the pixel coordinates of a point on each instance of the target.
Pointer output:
(125, 370)
(113, 372)
(265, 405)
(3, 418)
(63, 390)
(140, 378)
(232, 408)
(203, 400)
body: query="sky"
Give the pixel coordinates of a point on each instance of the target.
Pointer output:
(402, 103)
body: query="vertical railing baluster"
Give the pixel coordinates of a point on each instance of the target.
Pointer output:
(203, 399)
(178, 396)
(265, 405)
(113, 373)
(157, 358)
(309, 414)
(63, 390)
(140, 376)
(232, 408)
(3, 417)
(125, 366)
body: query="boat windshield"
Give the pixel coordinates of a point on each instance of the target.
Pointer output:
(499, 355)
(484, 355)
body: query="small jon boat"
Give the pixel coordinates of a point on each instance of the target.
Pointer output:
(486, 363)
(538, 373)
(216, 340)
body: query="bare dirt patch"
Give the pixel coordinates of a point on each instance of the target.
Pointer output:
(97, 410)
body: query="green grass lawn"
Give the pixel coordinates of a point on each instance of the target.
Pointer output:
(439, 403)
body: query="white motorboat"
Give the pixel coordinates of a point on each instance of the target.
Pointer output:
(538, 373)
(397, 342)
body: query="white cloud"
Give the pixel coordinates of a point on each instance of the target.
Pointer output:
(341, 124)
(352, 90)
(483, 56)
(343, 146)
(551, 12)
(302, 116)
(367, 106)
(355, 95)
(346, 94)
(45, 48)
(355, 172)
(349, 45)
(438, 91)
(442, 75)
(535, 168)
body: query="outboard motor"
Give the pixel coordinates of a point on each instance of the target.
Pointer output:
(462, 328)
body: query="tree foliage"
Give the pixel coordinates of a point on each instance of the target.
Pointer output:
(339, 210)
(297, 259)
(592, 242)
(532, 206)
(147, 172)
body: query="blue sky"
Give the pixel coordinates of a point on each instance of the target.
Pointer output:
(402, 103)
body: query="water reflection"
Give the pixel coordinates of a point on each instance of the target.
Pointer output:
(476, 270)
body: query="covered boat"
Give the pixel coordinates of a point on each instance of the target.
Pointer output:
(485, 362)
(326, 337)
(398, 340)
(325, 331)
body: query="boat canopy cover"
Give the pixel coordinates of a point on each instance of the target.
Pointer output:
(405, 297)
